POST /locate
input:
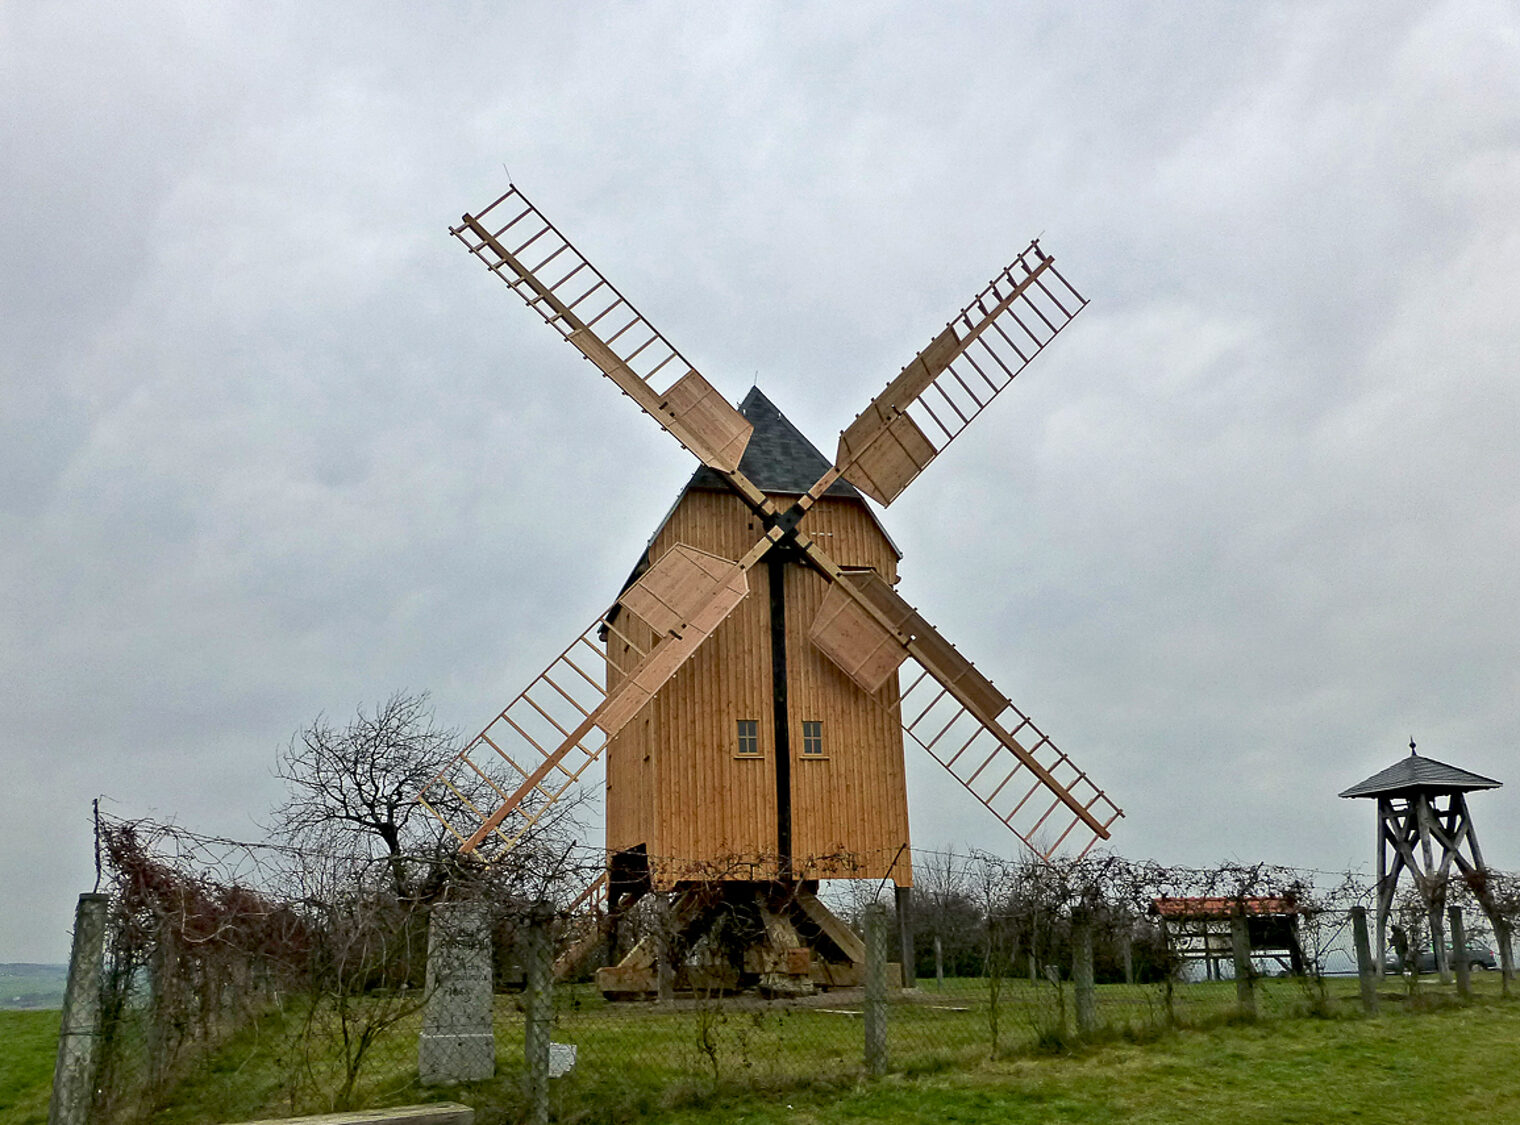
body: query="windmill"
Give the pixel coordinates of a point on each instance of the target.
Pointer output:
(755, 683)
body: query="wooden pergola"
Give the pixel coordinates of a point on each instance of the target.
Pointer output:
(1199, 928)
(1422, 805)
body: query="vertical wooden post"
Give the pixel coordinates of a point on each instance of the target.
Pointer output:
(1082, 972)
(539, 1018)
(1506, 952)
(1240, 942)
(1384, 888)
(74, 1069)
(939, 963)
(1431, 889)
(1459, 953)
(1364, 967)
(904, 896)
(876, 990)
(664, 945)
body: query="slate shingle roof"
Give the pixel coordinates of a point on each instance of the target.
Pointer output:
(778, 458)
(1415, 773)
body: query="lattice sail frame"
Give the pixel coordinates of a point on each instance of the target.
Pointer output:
(981, 757)
(541, 743)
(936, 396)
(529, 754)
(632, 353)
(967, 725)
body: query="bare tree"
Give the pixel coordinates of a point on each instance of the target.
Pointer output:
(352, 789)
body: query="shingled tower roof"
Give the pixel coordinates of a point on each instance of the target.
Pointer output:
(1414, 774)
(778, 459)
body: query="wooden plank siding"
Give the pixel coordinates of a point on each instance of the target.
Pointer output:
(674, 781)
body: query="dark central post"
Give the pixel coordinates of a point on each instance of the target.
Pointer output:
(775, 564)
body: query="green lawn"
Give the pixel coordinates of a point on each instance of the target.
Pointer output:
(1452, 1065)
(1426, 1058)
(28, 1045)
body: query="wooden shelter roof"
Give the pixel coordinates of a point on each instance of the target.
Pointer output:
(1214, 907)
(1414, 773)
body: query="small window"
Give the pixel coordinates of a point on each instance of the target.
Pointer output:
(812, 738)
(749, 738)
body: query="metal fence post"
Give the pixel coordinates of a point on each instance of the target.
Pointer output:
(1366, 971)
(1459, 953)
(876, 989)
(1240, 945)
(1082, 972)
(74, 1070)
(538, 1024)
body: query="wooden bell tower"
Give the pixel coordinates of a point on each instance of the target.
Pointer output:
(1422, 806)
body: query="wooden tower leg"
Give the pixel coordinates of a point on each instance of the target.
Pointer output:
(1384, 888)
(1430, 886)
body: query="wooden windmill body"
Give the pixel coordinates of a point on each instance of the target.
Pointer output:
(819, 791)
(755, 683)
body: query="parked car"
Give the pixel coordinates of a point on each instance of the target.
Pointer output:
(1479, 959)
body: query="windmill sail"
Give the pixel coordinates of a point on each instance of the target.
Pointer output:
(956, 714)
(951, 381)
(587, 310)
(538, 746)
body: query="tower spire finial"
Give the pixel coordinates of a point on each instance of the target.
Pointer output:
(1411, 746)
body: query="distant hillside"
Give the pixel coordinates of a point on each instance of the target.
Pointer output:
(32, 986)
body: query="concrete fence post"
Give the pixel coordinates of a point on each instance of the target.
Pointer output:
(538, 1027)
(939, 963)
(876, 990)
(1082, 972)
(79, 1032)
(1459, 962)
(1366, 971)
(1240, 946)
(458, 1043)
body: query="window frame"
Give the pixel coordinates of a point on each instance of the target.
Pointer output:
(812, 736)
(750, 737)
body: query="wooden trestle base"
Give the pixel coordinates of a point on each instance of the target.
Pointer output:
(771, 938)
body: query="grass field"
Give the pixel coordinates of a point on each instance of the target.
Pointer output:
(32, 986)
(765, 1064)
(28, 1044)
(1452, 1065)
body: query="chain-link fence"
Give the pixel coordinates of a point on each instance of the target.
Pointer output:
(263, 981)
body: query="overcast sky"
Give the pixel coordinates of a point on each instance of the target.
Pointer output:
(272, 444)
